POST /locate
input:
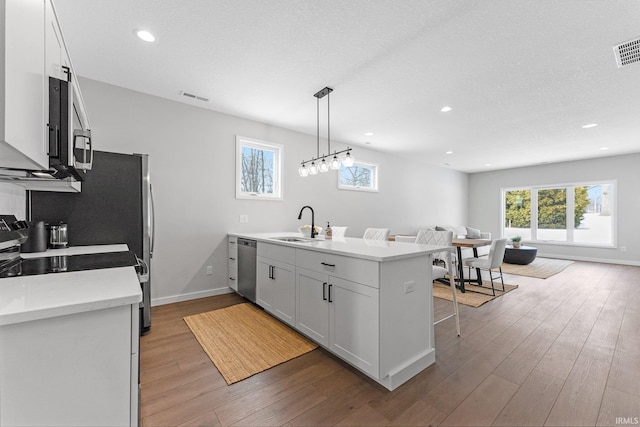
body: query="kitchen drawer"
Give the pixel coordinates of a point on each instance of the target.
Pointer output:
(233, 247)
(354, 269)
(278, 252)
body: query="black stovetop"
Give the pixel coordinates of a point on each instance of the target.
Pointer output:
(68, 263)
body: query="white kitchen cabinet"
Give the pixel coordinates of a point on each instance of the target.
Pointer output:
(276, 282)
(57, 62)
(340, 315)
(75, 369)
(233, 262)
(23, 85)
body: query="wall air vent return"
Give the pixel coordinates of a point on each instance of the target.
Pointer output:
(192, 96)
(627, 53)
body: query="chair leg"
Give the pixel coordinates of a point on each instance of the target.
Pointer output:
(492, 288)
(502, 280)
(452, 282)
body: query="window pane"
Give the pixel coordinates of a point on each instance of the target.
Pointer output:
(593, 214)
(517, 210)
(360, 176)
(258, 168)
(552, 214)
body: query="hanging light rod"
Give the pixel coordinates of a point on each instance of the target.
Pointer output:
(334, 163)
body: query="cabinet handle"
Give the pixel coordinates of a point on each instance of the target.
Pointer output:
(330, 286)
(232, 243)
(231, 278)
(327, 264)
(273, 272)
(232, 259)
(324, 291)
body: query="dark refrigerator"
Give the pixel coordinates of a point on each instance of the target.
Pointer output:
(115, 206)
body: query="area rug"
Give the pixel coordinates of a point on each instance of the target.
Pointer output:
(475, 295)
(242, 340)
(541, 268)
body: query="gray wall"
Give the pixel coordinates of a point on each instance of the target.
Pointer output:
(192, 158)
(485, 204)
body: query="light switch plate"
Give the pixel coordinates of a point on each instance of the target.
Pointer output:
(244, 219)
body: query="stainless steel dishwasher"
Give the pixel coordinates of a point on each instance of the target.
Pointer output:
(247, 268)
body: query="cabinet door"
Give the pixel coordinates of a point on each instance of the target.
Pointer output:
(24, 84)
(312, 316)
(55, 53)
(264, 284)
(284, 304)
(354, 324)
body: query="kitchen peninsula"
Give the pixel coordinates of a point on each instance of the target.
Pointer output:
(369, 302)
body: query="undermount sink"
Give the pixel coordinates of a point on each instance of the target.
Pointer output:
(291, 239)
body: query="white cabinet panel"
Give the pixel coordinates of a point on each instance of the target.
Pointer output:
(354, 269)
(23, 85)
(312, 307)
(276, 288)
(233, 262)
(354, 321)
(69, 370)
(264, 284)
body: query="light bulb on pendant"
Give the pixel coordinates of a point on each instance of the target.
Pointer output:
(313, 169)
(324, 167)
(348, 160)
(334, 163)
(303, 171)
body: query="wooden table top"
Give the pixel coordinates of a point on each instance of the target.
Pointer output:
(470, 243)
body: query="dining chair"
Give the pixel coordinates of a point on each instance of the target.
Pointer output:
(442, 238)
(338, 231)
(492, 262)
(376, 234)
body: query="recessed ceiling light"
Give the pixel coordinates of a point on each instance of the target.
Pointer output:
(446, 109)
(449, 152)
(145, 35)
(589, 126)
(487, 164)
(604, 148)
(368, 134)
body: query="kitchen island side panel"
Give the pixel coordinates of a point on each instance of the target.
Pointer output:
(406, 314)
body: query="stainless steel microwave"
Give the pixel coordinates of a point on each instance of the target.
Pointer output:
(70, 147)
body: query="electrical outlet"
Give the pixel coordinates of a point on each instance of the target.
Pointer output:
(244, 219)
(623, 248)
(409, 287)
(209, 270)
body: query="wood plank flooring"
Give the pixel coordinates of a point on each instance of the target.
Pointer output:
(560, 351)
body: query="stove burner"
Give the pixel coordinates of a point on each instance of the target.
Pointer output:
(68, 263)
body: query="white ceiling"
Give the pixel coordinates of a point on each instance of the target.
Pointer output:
(522, 76)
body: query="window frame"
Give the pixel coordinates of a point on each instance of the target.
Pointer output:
(376, 175)
(570, 189)
(278, 159)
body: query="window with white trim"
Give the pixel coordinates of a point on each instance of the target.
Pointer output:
(258, 169)
(579, 213)
(361, 176)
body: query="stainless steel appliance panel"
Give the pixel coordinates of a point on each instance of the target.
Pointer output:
(247, 252)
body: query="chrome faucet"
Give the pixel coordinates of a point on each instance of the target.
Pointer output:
(313, 226)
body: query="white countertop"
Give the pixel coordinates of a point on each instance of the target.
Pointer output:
(375, 250)
(56, 294)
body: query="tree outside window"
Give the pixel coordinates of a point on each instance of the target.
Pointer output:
(258, 169)
(361, 176)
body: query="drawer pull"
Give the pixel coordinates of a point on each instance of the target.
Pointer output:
(232, 259)
(231, 278)
(326, 264)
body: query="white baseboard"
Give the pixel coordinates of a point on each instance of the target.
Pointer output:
(189, 296)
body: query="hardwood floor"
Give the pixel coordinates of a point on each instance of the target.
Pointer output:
(560, 351)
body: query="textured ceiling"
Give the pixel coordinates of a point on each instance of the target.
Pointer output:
(522, 76)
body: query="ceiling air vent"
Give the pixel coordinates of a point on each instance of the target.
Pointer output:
(192, 96)
(627, 53)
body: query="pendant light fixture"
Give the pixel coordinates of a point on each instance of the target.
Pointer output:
(323, 165)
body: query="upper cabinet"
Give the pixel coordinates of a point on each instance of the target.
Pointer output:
(34, 51)
(22, 83)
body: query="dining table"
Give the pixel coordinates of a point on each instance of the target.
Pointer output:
(473, 244)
